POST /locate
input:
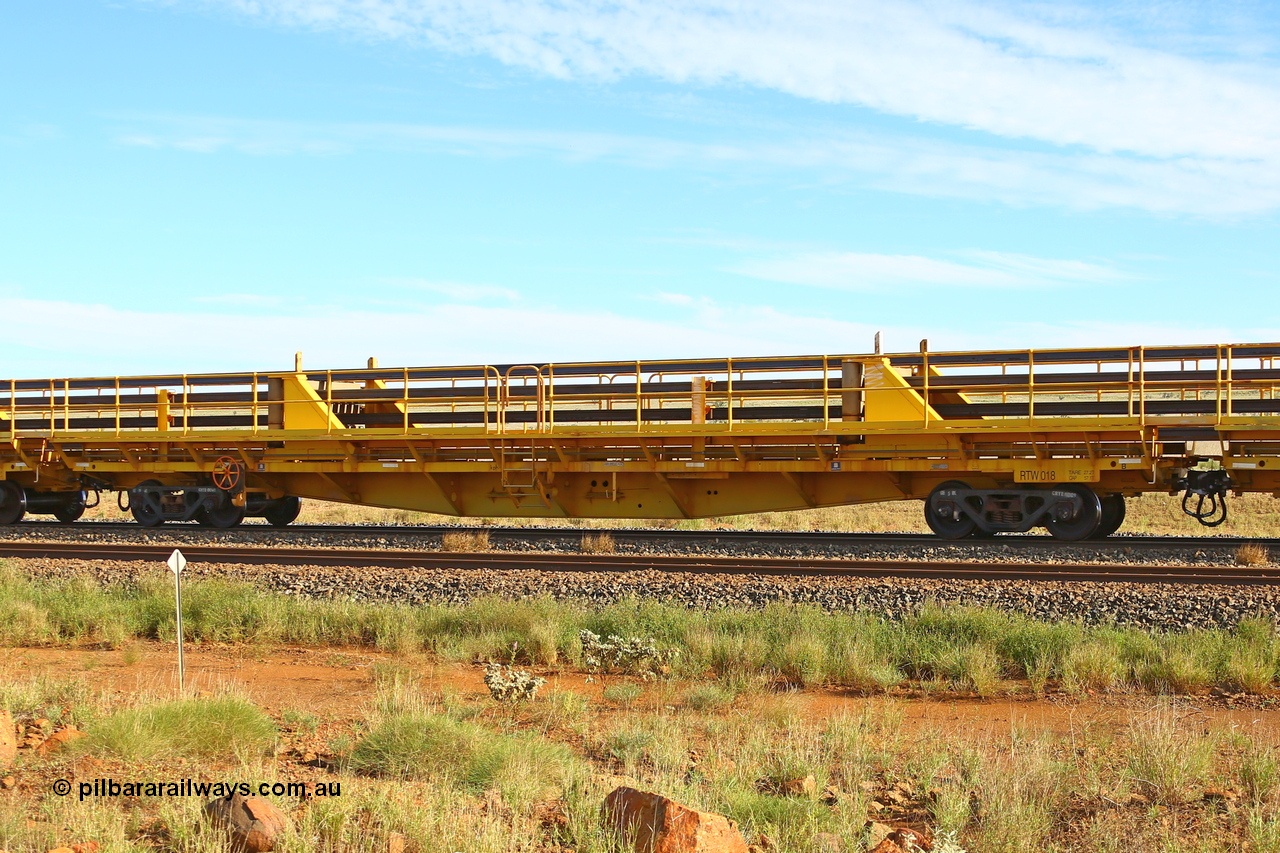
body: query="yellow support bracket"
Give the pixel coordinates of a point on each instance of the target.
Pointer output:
(303, 407)
(888, 396)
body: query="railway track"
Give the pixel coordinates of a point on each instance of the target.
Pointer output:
(624, 536)
(666, 564)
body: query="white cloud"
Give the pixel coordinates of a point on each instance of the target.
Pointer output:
(457, 291)
(241, 300)
(1067, 82)
(867, 271)
(470, 334)
(922, 167)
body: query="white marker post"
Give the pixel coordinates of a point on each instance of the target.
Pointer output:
(177, 563)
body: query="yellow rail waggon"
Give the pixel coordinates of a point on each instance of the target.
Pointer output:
(993, 441)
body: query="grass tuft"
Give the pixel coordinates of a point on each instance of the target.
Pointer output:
(220, 727)
(432, 746)
(598, 543)
(1252, 554)
(1166, 760)
(465, 540)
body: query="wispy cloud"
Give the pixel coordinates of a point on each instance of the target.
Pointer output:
(902, 164)
(240, 300)
(1066, 80)
(866, 271)
(457, 291)
(339, 338)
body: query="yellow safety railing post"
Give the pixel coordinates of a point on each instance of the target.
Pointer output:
(1217, 384)
(1129, 382)
(405, 401)
(551, 397)
(1031, 387)
(924, 369)
(639, 397)
(328, 399)
(1142, 387)
(253, 412)
(1229, 382)
(729, 392)
(826, 394)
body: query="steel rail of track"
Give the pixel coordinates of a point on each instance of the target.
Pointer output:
(364, 558)
(646, 535)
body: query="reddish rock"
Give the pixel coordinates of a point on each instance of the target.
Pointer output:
(911, 840)
(8, 740)
(551, 815)
(901, 837)
(651, 823)
(886, 846)
(59, 739)
(806, 787)
(252, 822)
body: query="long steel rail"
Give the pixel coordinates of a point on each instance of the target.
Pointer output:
(622, 563)
(633, 536)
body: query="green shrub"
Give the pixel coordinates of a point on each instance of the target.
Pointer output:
(625, 693)
(1092, 665)
(705, 697)
(202, 728)
(419, 745)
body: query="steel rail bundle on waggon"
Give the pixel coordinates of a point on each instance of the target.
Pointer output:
(993, 441)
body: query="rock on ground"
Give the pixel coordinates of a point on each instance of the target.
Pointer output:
(8, 740)
(651, 823)
(59, 739)
(252, 822)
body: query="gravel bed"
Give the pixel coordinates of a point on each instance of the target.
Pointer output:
(1046, 551)
(1159, 606)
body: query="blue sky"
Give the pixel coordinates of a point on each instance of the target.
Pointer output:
(196, 185)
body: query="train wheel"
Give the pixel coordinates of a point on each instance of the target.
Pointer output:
(13, 502)
(1084, 523)
(943, 514)
(222, 516)
(143, 511)
(282, 512)
(72, 509)
(1112, 516)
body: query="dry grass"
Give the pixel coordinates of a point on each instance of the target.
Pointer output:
(430, 772)
(465, 540)
(1252, 554)
(599, 543)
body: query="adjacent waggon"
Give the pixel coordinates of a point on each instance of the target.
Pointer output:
(992, 441)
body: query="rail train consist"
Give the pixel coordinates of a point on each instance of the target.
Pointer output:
(993, 441)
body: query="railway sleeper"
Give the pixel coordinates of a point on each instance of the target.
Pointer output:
(1070, 511)
(152, 503)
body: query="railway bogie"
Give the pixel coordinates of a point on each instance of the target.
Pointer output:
(152, 503)
(17, 501)
(992, 441)
(1070, 512)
